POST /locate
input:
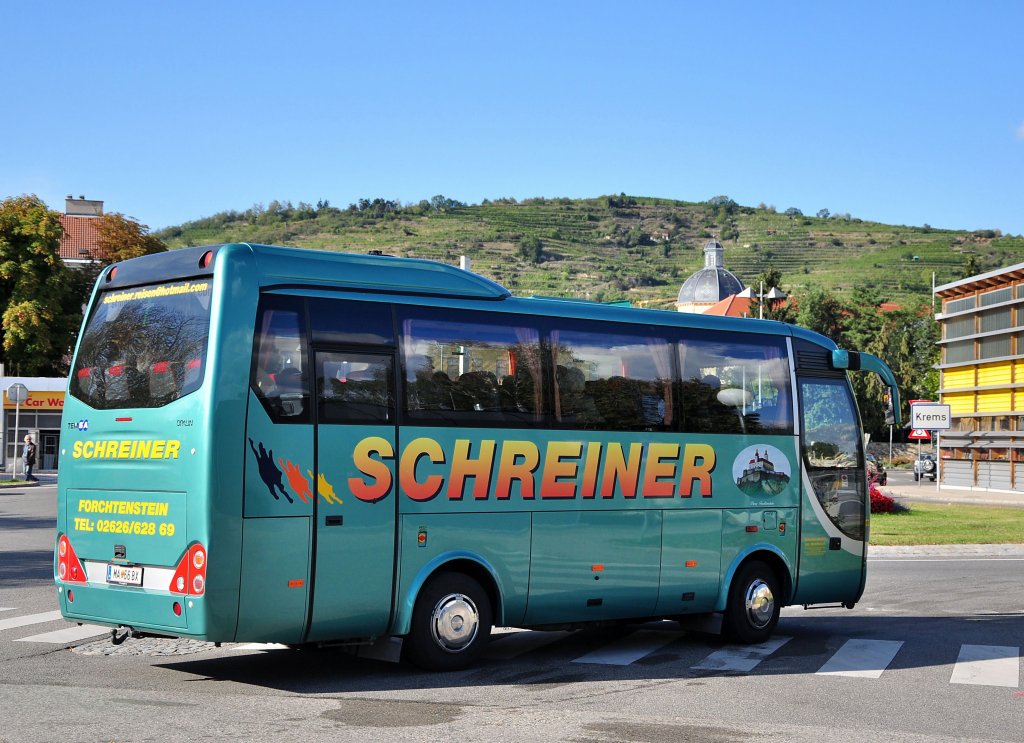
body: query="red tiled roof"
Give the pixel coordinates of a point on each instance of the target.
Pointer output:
(80, 240)
(733, 306)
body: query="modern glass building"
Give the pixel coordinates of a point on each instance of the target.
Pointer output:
(982, 379)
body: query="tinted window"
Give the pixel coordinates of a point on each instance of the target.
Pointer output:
(354, 388)
(344, 323)
(832, 452)
(144, 347)
(462, 369)
(614, 382)
(729, 386)
(279, 376)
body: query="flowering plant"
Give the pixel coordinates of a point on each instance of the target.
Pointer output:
(881, 503)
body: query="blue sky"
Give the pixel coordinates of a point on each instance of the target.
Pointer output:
(906, 113)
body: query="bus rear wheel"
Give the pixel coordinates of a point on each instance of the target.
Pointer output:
(451, 623)
(752, 610)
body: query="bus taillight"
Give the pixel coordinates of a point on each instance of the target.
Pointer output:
(190, 576)
(69, 569)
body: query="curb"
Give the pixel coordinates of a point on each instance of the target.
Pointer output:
(947, 550)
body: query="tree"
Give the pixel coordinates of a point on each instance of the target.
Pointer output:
(42, 297)
(121, 238)
(793, 212)
(531, 248)
(821, 312)
(970, 265)
(823, 214)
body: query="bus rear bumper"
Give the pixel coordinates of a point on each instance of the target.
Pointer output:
(151, 613)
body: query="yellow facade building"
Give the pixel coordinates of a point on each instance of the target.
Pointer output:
(982, 380)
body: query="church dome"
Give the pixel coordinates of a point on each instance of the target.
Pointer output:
(712, 283)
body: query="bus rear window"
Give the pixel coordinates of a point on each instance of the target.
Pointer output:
(144, 347)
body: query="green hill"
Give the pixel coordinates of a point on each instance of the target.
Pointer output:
(620, 247)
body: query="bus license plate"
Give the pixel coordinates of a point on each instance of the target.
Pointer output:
(124, 575)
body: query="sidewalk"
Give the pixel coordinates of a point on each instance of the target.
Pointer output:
(925, 491)
(48, 477)
(946, 550)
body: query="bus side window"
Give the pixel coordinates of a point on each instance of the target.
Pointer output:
(279, 377)
(479, 370)
(735, 386)
(832, 452)
(354, 388)
(617, 382)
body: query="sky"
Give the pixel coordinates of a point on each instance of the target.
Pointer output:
(904, 113)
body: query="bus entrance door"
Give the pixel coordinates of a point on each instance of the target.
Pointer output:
(833, 528)
(355, 495)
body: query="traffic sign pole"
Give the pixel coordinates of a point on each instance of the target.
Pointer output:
(18, 393)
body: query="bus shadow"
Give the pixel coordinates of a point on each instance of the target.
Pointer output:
(927, 642)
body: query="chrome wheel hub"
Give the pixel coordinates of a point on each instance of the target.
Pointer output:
(760, 603)
(454, 622)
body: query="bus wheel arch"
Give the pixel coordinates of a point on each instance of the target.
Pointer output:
(759, 588)
(451, 620)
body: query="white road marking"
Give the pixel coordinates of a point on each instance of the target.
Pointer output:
(261, 646)
(6, 608)
(631, 648)
(24, 621)
(987, 665)
(861, 658)
(68, 634)
(507, 645)
(742, 658)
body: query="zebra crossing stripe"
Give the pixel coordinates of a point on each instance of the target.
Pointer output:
(6, 608)
(507, 645)
(631, 648)
(68, 634)
(742, 658)
(261, 646)
(24, 621)
(987, 665)
(861, 658)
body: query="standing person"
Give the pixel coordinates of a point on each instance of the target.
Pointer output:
(28, 453)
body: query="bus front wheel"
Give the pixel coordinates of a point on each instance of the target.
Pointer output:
(752, 610)
(451, 623)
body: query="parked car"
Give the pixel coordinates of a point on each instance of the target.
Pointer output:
(924, 466)
(876, 472)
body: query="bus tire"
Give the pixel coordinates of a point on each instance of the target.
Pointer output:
(451, 623)
(752, 610)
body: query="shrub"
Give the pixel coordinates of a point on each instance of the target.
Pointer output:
(881, 503)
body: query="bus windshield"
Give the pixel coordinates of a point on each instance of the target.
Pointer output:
(144, 347)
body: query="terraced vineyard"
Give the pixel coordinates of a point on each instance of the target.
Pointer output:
(639, 249)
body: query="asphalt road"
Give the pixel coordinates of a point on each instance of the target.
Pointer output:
(932, 653)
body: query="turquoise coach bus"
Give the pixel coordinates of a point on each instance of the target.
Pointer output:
(281, 445)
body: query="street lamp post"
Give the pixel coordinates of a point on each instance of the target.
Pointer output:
(772, 295)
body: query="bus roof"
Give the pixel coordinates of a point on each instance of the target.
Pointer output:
(293, 267)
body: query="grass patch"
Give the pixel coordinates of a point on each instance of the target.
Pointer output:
(928, 523)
